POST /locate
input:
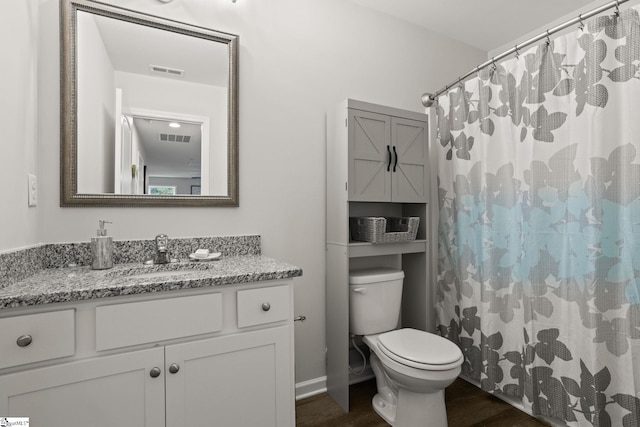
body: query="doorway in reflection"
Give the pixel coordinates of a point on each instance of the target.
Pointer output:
(159, 155)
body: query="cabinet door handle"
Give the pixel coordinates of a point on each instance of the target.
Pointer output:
(174, 367)
(24, 340)
(390, 157)
(154, 372)
(266, 306)
(396, 157)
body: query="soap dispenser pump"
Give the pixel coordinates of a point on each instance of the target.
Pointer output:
(102, 248)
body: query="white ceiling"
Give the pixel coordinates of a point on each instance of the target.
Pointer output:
(135, 48)
(170, 158)
(484, 24)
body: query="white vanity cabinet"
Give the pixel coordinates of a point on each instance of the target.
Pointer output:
(171, 359)
(235, 380)
(115, 390)
(364, 141)
(241, 379)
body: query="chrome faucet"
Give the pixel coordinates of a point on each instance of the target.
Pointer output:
(162, 249)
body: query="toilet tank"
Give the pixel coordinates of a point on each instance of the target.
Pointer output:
(375, 297)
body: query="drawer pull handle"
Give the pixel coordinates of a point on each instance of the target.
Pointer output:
(24, 340)
(174, 367)
(266, 306)
(154, 372)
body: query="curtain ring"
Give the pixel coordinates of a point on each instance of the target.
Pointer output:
(517, 52)
(617, 12)
(548, 38)
(494, 68)
(581, 25)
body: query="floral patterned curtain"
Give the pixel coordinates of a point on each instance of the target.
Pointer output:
(539, 229)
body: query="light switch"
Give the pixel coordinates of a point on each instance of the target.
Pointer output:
(32, 190)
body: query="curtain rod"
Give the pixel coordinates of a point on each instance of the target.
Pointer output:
(429, 98)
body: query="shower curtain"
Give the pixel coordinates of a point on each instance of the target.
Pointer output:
(539, 224)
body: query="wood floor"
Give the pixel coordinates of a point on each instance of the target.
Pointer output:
(467, 406)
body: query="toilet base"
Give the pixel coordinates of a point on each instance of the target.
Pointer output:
(421, 409)
(432, 410)
(386, 410)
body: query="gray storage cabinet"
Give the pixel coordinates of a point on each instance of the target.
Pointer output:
(387, 157)
(377, 165)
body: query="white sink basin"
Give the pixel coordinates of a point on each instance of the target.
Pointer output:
(164, 270)
(154, 274)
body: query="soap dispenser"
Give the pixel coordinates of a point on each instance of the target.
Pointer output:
(102, 248)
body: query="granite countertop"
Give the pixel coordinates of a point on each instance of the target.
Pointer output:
(82, 283)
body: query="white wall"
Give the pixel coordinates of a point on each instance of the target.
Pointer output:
(298, 59)
(96, 110)
(18, 119)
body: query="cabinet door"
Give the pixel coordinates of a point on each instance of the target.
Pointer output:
(102, 392)
(245, 379)
(369, 157)
(409, 181)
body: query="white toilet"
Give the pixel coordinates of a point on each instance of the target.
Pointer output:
(412, 367)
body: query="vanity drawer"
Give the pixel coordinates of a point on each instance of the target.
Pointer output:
(263, 305)
(122, 325)
(36, 337)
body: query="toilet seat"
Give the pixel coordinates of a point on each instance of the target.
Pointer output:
(419, 349)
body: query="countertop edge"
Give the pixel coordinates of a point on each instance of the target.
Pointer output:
(267, 269)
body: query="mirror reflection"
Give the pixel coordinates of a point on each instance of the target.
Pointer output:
(157, 153)
(155, 110)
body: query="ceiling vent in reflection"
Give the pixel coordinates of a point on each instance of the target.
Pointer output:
(166, 70)
(169, 137)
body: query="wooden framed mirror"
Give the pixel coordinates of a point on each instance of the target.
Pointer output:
(149, 110)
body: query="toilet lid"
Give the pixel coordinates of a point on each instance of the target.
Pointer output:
(414, 347)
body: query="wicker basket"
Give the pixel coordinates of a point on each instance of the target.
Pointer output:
(376, 229)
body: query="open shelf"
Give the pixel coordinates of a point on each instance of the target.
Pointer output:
(363, 249)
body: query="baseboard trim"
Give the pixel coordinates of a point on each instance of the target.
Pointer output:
(311, 387)
(318, 385)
